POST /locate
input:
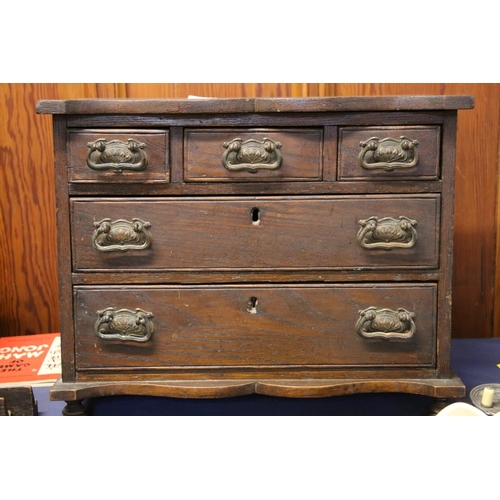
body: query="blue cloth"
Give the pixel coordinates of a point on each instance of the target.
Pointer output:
(473, 360)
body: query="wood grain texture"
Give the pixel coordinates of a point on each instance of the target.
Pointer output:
(183, 90)
(155, 149)
(289, 326)
(28, 288)
(437, 388)
(250, 105)
(300, 149)
(428, 150)
(277, 119)
(476, 296)
(291, 233)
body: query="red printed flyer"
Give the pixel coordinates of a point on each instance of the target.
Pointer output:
(30, 359)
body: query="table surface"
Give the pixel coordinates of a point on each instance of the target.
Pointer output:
(473, 360)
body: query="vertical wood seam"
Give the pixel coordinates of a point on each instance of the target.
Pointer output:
(176, 154)
(64, 252)
(445, 284)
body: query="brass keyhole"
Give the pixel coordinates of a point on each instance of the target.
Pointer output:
(252, 305)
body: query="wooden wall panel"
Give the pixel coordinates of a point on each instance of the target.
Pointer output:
(28, 280)
(476, 198)
(222, 90)
(29, 300)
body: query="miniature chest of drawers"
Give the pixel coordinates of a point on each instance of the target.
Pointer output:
(286, 247)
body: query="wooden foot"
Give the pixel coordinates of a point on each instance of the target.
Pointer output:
(437, 405)
(74, 409)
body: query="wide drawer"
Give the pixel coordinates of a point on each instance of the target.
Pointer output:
(376, 231)
(382, 153)
(210, 326)
(117, 156)
(235, 154)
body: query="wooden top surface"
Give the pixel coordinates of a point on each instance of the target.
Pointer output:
(254, 105)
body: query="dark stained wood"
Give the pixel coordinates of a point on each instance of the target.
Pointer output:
(221, 326)
(262, 372)
(258, 279)
(28, 291)
(330, 152)
(437, 388)
(17, 402)
(290, 233)
(389, 118)
(429, 150)
(258, 188)
(156, 151)
(192, 276)
(450, 388)
(176, 159)
(64, 248)
(446, 255)
(262, 105)
(476, 301)
(366, 103)
(301, 150)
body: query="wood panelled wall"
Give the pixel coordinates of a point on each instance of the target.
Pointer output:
(28, 262)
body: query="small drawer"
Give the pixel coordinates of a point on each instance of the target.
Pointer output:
(253, 155)
(382, 153)
(118, 156)
(252, 233)
(236, 326)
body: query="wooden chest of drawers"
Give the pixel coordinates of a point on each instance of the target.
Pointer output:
(288, 247)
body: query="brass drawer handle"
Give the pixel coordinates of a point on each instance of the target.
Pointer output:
(116, 155)
(121, 235)
(123, 324)
(252, 155)
(385, 323)
(388, 154)
(387, 233)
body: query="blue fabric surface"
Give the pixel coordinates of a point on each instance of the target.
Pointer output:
(473, 360)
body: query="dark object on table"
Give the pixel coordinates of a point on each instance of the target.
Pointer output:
(17, 402)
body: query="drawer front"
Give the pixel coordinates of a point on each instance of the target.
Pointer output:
(389, 153)
(112, 156)
(253, 155)
(227, 326)
(256, 233)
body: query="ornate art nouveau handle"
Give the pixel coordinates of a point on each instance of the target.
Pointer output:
(116, 155)
(121, 235)
(387, 233)
(388, 154)
(385, 323)
(252, 155)
(123, 324)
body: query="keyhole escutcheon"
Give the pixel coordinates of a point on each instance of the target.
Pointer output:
(255, 215)
(252, 305)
